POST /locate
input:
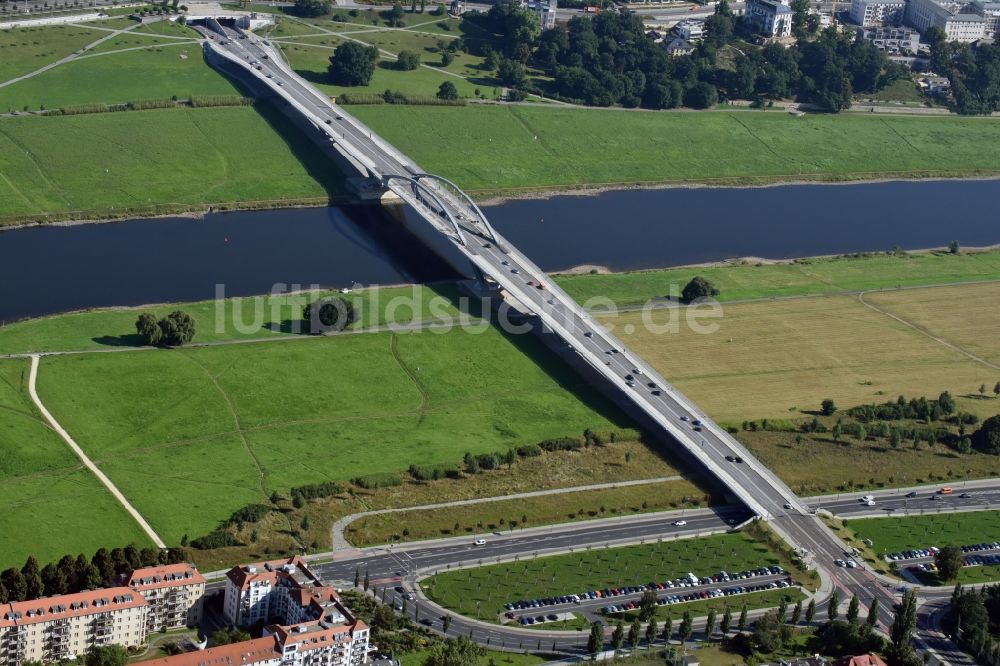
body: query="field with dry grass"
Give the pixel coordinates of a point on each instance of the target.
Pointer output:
(780, 359)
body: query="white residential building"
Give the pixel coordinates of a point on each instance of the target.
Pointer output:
(948, 16)
(772, 18)
(990, 11)
(174, 593)
(877, 13)
(327, 636)
(285, 590)
(691, 30)
(58, 628)
(546, 10)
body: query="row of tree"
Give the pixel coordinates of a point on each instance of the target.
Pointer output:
(70, 574)
(609, 60)
(973, 618)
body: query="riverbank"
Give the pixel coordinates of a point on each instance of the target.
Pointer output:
(525, 152)
(738, 279)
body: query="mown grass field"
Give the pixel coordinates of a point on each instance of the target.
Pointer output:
(160, 72)
(781, 359)
(235, 425)
(24, 50)
(44, 490)
(800, 278)
(895, 534)
(488, 588)
(500, 151)
(526, 512)
(257, 317)
(149, 161)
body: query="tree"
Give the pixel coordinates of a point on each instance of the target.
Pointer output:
(312, 8)
(67, 569)
(394, 17)
(946, 403)
(668, 629)
(828, 407)
(328, 314)
(727, 621)
(954, 247)
(651, 630)
(871, 621)
(949, 561)
(407, 60)
(710, 624)
(895, 439)
(987, 438)
(445, 624)
(447, 90)
(838, 431)
(33, 587)
(647, 605)
(701, 95)
(305, 523)
(797, 612)
(458, 651)
(833, 609)
(618, 636)
(512, 73)
(810, 611)
(352, 64)
(853, 609)
(742, 622)
(13, 582)
(176, 329)
(357, 576)
(148, 330)
(447, 57)
(901, 631)
(769, 633)
(996, 389)
(698, 287)
(228, 635)
(633, 633)
(595, 642)
(54, 580)
(88, 577)
(109, 655)
(686, 628)
(982, 389)
(367, 581)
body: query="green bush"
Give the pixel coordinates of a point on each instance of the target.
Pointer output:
(315, 490)
(377, 480)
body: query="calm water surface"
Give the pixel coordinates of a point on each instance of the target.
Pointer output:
(56, 269)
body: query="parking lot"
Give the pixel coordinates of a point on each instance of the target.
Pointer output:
(688, 588)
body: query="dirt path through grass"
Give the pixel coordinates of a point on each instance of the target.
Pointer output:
(32, 377)
(926, 333)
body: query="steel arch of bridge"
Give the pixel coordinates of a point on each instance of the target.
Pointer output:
(420, 190)
(465, 197)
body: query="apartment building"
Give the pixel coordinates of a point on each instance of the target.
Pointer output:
(894, 41)
(772, 18)
(57, 628)
(957, 24)
(174, 593)
(330, 636)
(266, 590)
(878, 13)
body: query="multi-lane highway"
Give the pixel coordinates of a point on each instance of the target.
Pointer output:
(662, 409)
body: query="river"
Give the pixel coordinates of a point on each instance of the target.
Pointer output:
(47, 270)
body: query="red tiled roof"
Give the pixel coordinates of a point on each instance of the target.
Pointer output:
(168, 575)
(315, 635)
(234, 654)
(242, 577)
(63, 606)
(870, 659)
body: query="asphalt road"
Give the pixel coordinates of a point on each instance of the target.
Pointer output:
(665, 410)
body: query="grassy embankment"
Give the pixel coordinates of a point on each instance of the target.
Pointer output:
(545, 510)
(484, 590)
(300, 403)
(236, 426)
(46, 493)
(893, 534)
